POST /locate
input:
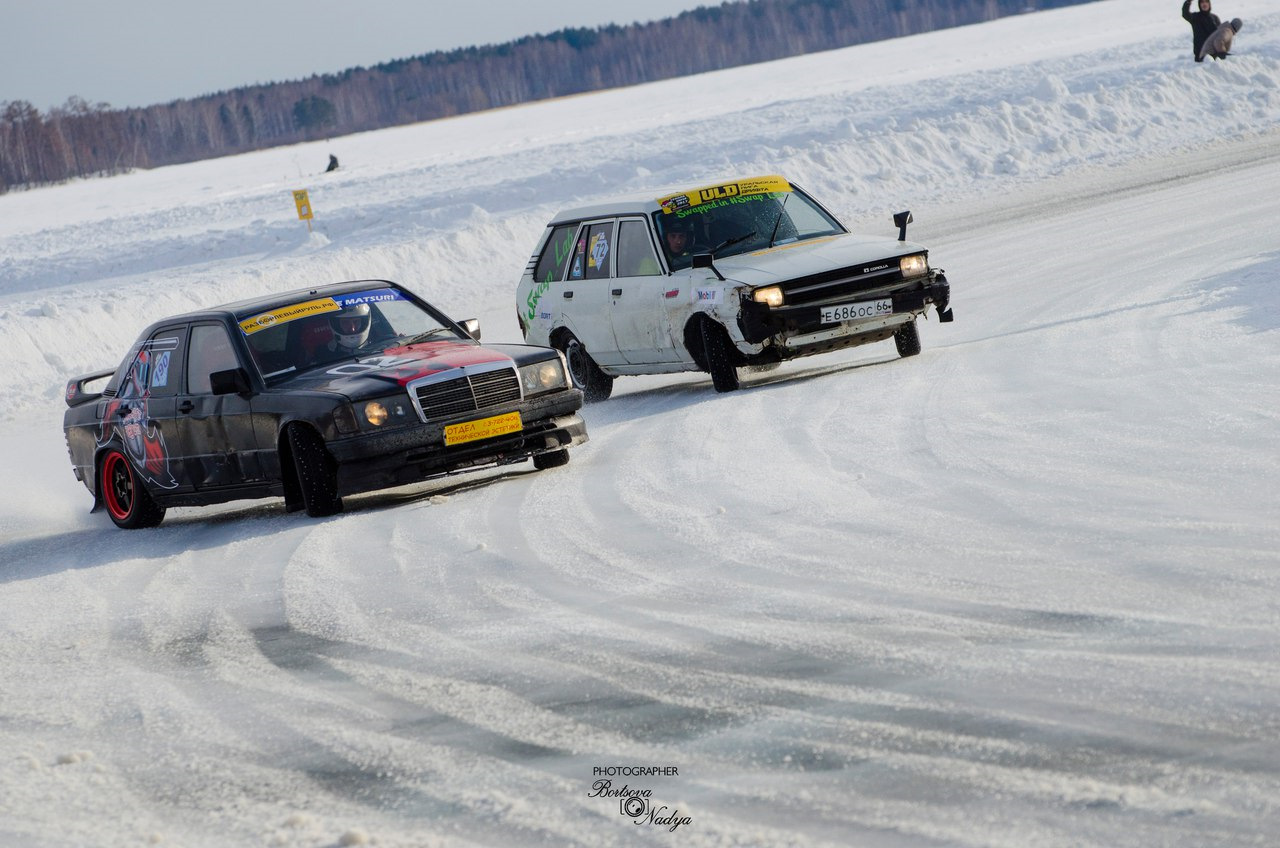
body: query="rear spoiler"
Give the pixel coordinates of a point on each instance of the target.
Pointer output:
(77, 393)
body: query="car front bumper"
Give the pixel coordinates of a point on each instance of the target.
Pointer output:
(381, 460)
(759, 321)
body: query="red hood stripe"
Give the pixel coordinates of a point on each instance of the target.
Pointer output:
(433, 357)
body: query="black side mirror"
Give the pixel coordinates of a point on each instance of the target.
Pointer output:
(900, 220)
(706, 260)
(472, 326)
(233, 381)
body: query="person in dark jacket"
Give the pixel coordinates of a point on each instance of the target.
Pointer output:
(1218, 45)
(1203, 24)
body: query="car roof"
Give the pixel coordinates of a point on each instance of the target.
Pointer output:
(251, 306)
(643, 203)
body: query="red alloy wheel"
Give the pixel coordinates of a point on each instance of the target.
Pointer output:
(117, 485)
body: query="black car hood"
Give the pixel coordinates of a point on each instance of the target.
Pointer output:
(377, 374)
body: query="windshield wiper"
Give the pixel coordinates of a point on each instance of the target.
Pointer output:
(729, 242)
(422, 337)
(783, 208)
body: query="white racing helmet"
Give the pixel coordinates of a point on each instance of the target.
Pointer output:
(351, 326)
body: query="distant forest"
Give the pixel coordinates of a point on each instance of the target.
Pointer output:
(80, 139)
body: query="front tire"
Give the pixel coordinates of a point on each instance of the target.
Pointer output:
(128, 502)
(719, 351)
(907, 339)
(595, 384)
(317, 472)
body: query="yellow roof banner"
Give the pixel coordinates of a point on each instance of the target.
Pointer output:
(249, 326)
(722, 191)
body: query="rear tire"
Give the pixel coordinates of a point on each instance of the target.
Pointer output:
(907, 339)
(587, 376)
(554, 459)
(127, 500)
(317, 472)
(719, 351)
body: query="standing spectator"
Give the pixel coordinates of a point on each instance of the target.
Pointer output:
(1203, 24)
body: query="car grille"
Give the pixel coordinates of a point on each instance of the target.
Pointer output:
(467, 394)
(842, 283)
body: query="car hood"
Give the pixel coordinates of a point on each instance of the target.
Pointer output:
(800, 259)
(378, 374)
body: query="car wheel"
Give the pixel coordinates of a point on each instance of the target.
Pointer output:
(720, 355)
(595, 384)
(907, 339)
(317, 472)
(554, 459)
(128, 502)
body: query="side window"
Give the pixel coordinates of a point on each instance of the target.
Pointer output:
(555, 255)
(599, 256)
(635, 250)
(210, 350)
(156, 370)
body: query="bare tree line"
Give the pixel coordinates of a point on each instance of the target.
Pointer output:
(80, 139)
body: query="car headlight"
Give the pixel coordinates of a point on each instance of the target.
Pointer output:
(914, 265)
(387, 410)
(770, 296)
(544, 376)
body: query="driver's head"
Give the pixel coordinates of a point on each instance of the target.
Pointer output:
(351, 326)
(678, 239)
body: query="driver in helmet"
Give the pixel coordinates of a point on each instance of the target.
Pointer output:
(350, 327)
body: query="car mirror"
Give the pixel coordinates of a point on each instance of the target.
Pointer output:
(472, 326)
(230, 381)
(706, 260)
(900, 220)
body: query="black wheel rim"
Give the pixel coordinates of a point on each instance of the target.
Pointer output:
(577, 362)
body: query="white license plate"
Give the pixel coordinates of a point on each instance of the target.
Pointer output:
(857, 311)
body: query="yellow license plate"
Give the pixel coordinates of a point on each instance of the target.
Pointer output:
(484, 428)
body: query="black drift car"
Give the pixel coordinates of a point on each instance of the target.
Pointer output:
(310, 395)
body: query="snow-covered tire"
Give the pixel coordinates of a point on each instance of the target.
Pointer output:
(317, 472)
(127, 500)
(907, 339)
(719, 352)
(554, 459)
(587, 376)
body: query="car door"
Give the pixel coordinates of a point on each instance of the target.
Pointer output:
(218, 443)
(142, 417)
(641, 293)
(585, 298)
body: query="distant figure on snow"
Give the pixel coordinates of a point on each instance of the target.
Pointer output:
(1218, 45)
(1203, 24)
(333, 160)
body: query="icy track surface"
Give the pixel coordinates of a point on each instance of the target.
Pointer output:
(1020, 590)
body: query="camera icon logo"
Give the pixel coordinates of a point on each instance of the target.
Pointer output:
(633, 807)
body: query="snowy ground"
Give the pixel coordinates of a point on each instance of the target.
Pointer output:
(1021, 590)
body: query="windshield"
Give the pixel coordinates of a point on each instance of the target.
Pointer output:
(741, 224)
(318, 331)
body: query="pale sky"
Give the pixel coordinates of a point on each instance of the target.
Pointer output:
(142, 52)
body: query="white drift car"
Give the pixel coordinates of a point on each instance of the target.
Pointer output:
(749, 272)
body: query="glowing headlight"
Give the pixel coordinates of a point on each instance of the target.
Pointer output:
(394, 410)
(772, 296)
(913, 266)
(542, 377)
